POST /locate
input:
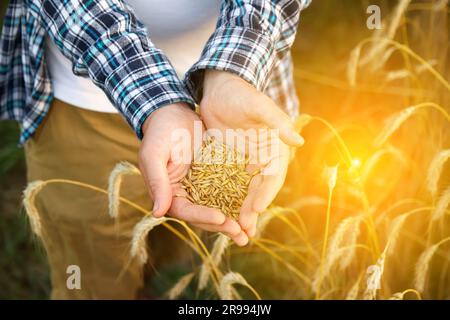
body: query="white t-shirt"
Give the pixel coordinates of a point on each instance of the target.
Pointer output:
(179, 27)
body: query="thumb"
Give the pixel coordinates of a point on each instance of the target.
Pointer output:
(154, 169)
(275, 118)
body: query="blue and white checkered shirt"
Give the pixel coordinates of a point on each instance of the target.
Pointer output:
(105, 42)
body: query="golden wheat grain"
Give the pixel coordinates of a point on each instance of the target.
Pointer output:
(140, 232)
(227, 282)
(423, 265)
(331, 173)
(114, 182)
(29, 202)
(441, 205)
(405, 73)
(350, 244)
(393, 123)
(220, 245)
(435, 170)
(218, 178)
(398, 74)
(396, 226)
(341, 249)
(180, 286)
(374, 275)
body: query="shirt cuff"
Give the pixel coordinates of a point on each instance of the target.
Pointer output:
(143, 84)
(242, 51)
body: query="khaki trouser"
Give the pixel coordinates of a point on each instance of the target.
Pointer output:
(84, 146)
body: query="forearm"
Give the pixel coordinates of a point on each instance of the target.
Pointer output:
(105, 41)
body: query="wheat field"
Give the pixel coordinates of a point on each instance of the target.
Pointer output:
(364, 213)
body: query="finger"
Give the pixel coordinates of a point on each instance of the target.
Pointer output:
(153, 164)
(176, 172)
(185, 210)
(275, 118)
(241, 239)
(248, 217)
(271, 180)
(230, 227)
(263, 188)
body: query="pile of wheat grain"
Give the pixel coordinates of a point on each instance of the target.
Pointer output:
(218, 178)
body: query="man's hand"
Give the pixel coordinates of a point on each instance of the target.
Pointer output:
(229, 102)
(162, 175)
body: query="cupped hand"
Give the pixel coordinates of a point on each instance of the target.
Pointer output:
(164, 160)
(229, 102)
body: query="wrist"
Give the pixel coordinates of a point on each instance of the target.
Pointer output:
(216, 79)
(179, 107)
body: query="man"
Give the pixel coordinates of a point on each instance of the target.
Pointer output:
(71, 131)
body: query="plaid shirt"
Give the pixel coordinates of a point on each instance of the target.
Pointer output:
(105, 42)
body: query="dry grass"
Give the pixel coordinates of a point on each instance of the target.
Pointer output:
(219, 247)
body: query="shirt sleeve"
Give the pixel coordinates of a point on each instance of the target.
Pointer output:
(251, 36)
(105, 41)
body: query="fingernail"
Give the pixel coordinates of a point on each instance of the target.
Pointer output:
(298, 139)
(155, 208)
(252, 232)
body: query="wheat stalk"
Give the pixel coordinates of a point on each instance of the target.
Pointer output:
(350, 244)
(435, 170)
(114, 182)
(401, 295)
(397, 225)
(354, 291)
(331, 173)
(343, 240)
(441, 205)
(352, 65)
(379, 47)
(374, 275)
(220, 245)
(180, 286)
(140, 232)
(227, 282)
(374, 159)
(423, 265)
(302, 121)
(29, 202)
(393, 123)
(397, 296)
